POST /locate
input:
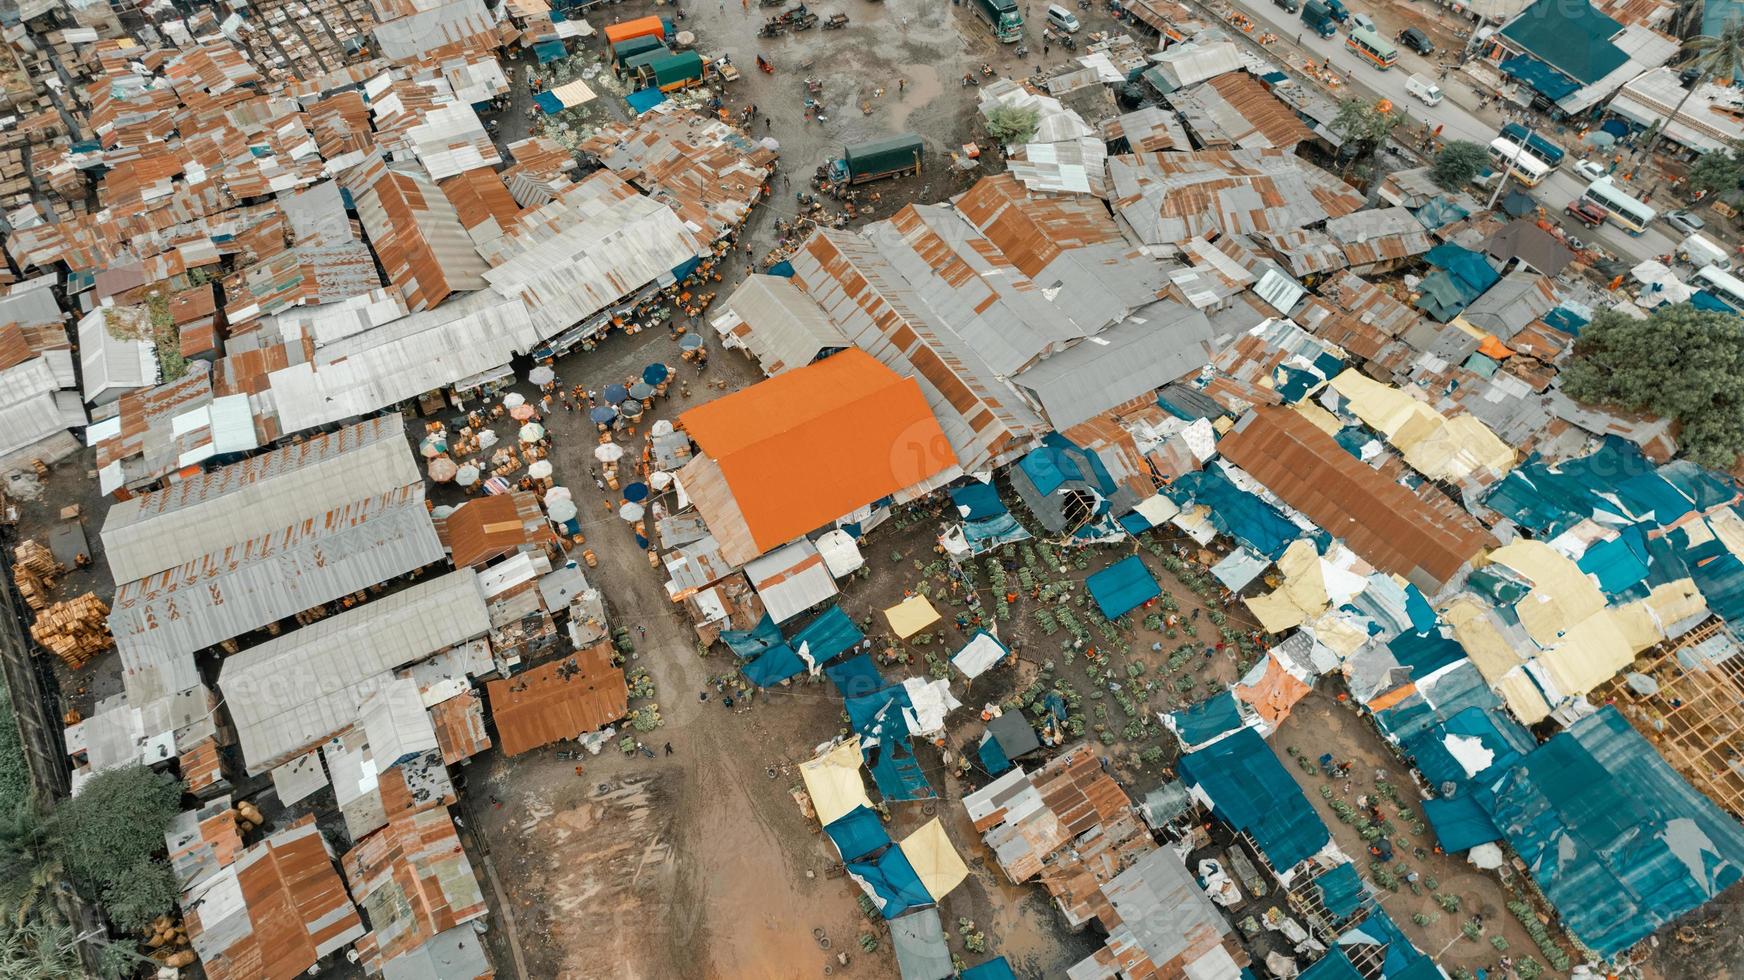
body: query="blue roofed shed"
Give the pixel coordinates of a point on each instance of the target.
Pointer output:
(857, 833)
(1251, 791)
(1122, 587)
(1569, 35)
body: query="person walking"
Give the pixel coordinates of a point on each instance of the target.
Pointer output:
(668, 748)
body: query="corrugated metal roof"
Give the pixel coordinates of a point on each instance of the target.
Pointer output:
(1165, 198)
(791, 579)
(1147, 130)
(562, 699)
(1235, 110)
(116, 352)
(1507, 307)
(415, 232)
(777, 324)
(1158, 344)
(414, 881)
(452, 139)
(708, 172)
(1379, 236)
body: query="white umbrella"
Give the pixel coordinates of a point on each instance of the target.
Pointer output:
(561, 510)
(557, 493)
(631, 512)
(660, 479)
(542, 375)
(609, 452)
(487, 438)
(513, 400)
(540, 469)
(467, 475)
(532, 432)
(662, 428)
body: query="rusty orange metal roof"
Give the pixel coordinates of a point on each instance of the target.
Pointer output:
(459, 724)
(565, 698)
(413, 880)
(484, 529)
(1032, 229)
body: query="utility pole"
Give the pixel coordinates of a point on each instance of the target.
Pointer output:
(1503, 180)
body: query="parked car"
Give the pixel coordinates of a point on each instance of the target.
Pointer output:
(1061, 19)
(1684, 221)
(1357, 21)
(1416, 40)
(1290, 6)
(1420, 87)
(1589, 169)
(1586, 212)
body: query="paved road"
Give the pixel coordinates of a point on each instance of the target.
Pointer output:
(1456, 114)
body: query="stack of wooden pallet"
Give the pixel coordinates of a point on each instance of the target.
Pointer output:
(35, 568)
(76, 630)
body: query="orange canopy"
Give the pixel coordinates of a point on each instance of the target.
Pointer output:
(808, 446)
(640, 27)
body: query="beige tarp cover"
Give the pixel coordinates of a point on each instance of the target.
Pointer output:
(1439, 447)
(1477, 633)
(1302, 596)
(1522, 697)
(934, 860)
(1562, 595)
(1323, 420)
(1595, 650)
(911, 615)
(833, 780)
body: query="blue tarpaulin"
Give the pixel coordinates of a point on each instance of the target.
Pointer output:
(773, 666)
(1701, 299)
(549, 51)
(993, 969)
(977, 500)
(993, 758)
(896, 771)
(1199, 723)
(857, 833)
(984, 536)
(1495, 731)
(1549, 82)
(1235, 512)
(1566, 320)
(893, 880)
(826, 636)
(1459, 823)
(547, 103)
(1122, 587)
(644, 99)
(1469, 269)
(1425, 653)
(784, 269)
(1253, 792)
(1417, 607)
(751, 642)
(1341, 890)
(856, 676)
(1549, 499)
(879, 712)
(1619, 564)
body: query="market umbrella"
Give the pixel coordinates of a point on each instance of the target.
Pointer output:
(442, 511)
(521, 413)
(603, 414)
(641, 391)
(655, 373)
(1599, 139)
(486, 438)
(532, 432)
(631, 512)
(561, 510)
(513, 400)
(431, 450)
(660, 479)
(690, 341)
(631, 410)
(662, 428)
(540, 469)
(557, 493)
(614, 394)
(636, 492)
(609, 452)
(542, 375)
(442, 469)
(467, 475)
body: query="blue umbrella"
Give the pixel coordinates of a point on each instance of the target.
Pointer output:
(641, 391)
(655, 373)
(691, 341)
(614, 394)
(603, 414)
(631, 409)
(635, 492)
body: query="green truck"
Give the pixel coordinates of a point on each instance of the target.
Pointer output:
(1318, 15)
(878, 159)
(1004, 17)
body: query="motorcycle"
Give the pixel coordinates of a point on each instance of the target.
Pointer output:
(969, 80)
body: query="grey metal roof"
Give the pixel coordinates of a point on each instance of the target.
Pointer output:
(316, 214)
(298, 689)
(1163, 908)
(781, 326)
(1167, 198)
(919, 941)
(413, 36)
(1158, 344)
(456, 952)
(237, 503)
(1507, 307)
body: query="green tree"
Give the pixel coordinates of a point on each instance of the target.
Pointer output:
(1717, 170)
(1363, 127)
(110, 836)
(1680, 362)
(1712, 56)
(1457, 163)
(1012, 124)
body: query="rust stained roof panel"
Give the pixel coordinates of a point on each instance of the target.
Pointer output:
(562, 699)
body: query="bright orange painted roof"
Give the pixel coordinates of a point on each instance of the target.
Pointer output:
(627, 29)
(806, 447)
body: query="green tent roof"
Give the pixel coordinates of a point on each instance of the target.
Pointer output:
(1571, 37)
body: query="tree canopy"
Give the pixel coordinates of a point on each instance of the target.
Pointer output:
(1364, 125)
(1717, 170)
(1681, 362)
(1012, 124)
(1457, 163)
(109, 837)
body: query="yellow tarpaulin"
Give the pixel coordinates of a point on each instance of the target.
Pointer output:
(1562, 595)
(1591, 652)
(1482, 641)
(833, 780)
(934, 860)
(911, 615)
(1437, 446)
(1302, 596)
(1522, 696)
(1323, 420)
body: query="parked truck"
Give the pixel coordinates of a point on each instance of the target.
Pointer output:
(1004, 17)
(877, 159)
(1318, 16)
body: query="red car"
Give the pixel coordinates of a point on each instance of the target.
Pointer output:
(1587, 213)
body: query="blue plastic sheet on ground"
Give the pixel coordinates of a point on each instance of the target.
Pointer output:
(993, 969)
(1459, 823)
(984, 536)
(644, 99)
(828, 635)
(1425, 653)
(1253, 792)
(977, 500)
(897, 772)
(1199, 723)
(549, 51)
(857, 833)
(751, 642)
(880, 712)
(1495, 731)
(1333, 966)
(993, 758)
(1341, 890)
(773, 666)
(1619, 564)
(892, 879)
(1235, 512)
(1122, 587)
(548, 103)
(856, 676)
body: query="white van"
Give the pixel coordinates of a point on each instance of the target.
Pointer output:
(1061, 19)
(1699, 251)
(1423, 89)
